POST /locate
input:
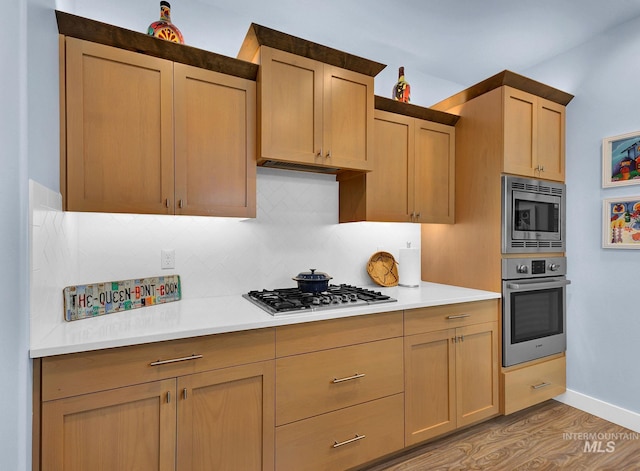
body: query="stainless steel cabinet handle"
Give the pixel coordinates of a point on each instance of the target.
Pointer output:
(167, 202)
(328, 154)
(175, 360)
(351, 440)
(540, 386)
(180, 204)
(168, 397)
(184, 393)
(459, 316)
(348, 378)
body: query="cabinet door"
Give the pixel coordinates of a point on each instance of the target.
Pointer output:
(434, 172)
(119, 122)
(520, 132)
(215, 163)
(390, 186)
(477, 369)
(291, 107)
(347, 119)
(226, 419)
(430, 376)
(551, 140)
(125, 428)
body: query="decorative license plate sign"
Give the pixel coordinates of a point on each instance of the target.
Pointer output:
(98, 299)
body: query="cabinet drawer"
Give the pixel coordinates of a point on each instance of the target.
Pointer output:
(313, 336)
(81, 373)
(531, 385)
(429, 319)
(320, 382)
(332, 441)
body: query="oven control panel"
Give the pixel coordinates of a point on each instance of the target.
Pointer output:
(534, 267)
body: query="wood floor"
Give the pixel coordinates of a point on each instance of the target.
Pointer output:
(549, 436)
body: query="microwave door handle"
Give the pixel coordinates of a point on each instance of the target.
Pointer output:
(538, 284)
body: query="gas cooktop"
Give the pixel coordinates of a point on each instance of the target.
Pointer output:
(294, 300)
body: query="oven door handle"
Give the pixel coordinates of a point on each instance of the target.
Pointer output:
(539, 284)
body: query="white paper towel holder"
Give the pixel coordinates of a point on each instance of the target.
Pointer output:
(412, 283)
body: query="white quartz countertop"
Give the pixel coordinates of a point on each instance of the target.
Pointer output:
(215, 315)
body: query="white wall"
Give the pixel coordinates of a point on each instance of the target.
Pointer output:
(603, 299)
(296, 228)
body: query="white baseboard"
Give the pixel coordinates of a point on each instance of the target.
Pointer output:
(604, 410)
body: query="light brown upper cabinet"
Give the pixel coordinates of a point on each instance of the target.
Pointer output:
(413, 174)
(533, 135)
(316, 104)
(215, 168)
(143, 134)
(314, 113)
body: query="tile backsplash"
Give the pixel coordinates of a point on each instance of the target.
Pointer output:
(296, 228)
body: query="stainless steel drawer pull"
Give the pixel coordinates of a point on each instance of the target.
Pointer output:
(168, 397)
(351, 440)
(459, 316)
(541, 385)
(184, 393)
(175, 360)
(348, 378)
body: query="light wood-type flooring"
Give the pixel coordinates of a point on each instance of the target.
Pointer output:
(548, 436)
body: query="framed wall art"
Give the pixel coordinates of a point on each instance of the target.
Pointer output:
(621, 223)
(621, 160)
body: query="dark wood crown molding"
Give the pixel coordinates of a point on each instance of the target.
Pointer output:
(262, 36)
(407, 109)
(103, 33)
(506, 77)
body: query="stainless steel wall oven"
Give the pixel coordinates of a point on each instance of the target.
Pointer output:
(533, 308)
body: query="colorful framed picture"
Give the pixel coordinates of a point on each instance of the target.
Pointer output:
(621, 223)
(621, 160)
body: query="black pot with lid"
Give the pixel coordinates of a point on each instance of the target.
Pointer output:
(312, 281)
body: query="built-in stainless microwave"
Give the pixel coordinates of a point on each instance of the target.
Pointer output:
(533, 215)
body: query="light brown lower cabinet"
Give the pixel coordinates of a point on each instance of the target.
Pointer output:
(533, 382)
(342, 439)
(221, 419)
(331, 394)
(125, 428)
(339, 392)
(451, 375)
(191, 404)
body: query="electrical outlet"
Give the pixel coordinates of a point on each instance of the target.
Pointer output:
(167, 259)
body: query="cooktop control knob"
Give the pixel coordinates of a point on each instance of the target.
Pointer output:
(554, 267)
(522, 269)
